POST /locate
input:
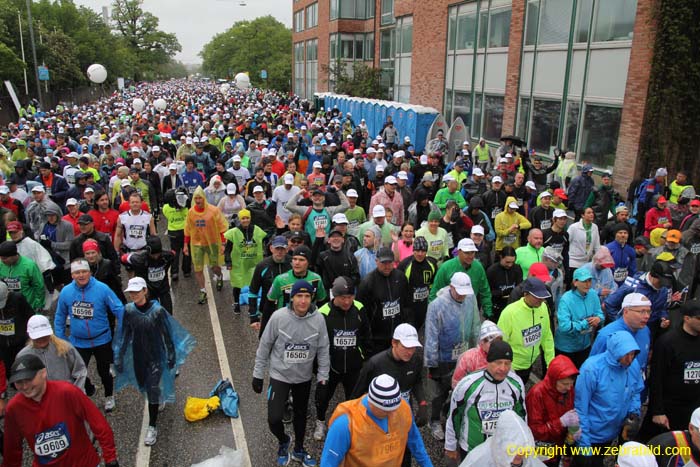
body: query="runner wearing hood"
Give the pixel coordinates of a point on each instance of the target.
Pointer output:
(608, 395)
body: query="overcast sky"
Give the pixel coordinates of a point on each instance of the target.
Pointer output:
(195, 22)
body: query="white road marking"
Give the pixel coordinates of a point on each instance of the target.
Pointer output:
(236, 423)
(143, 454)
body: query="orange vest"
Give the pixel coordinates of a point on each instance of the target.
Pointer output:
(369, 445)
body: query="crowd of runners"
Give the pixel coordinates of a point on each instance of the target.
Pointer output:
(509, 303)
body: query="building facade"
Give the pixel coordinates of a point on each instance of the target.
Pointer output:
(559, 73)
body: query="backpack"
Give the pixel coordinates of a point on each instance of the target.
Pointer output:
(642, 190)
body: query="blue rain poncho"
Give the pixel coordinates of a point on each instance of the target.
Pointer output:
(149, 348)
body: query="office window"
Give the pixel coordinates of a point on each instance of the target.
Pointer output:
(493, 117)
(334, 9)
(614, 20)
(544, 131)
(601, 126)
(447, 112)
(351, 9)
(347, 46)
(466, 31)
(531, 20)
(299, 68)
(476, 116)
(369, 46)
(312, 16)
(299, 21)
(572, 115)
(523, 115)
(311, 67)
(583, 20)
(462, 106)
(548, 19)
(387, 12)
(403, 50)
(333, 41)
(499, 29)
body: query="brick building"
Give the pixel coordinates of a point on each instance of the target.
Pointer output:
(559, 73)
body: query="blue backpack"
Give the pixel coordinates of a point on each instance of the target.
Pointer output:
(228, 397)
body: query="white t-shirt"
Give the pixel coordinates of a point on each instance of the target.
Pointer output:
(281, 195)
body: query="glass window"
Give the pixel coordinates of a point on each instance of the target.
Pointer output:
(406, 38)
(499, 29)
(333, 46)
(448, 106)
(462, 107)
(334, 9)
(555, 21)
(614, 20)
(347, 46)
(533, 14)
(483, 28)
(369, 46)
(523, 115)
(583, 20)
(466, 31)
(493, 116)
(452, 33)
(476, 116)
(359, 46)
(387, 12)
(347, 8)
(312, 16)
(544, 131)
(572, 114)
(386, 42)
(601, 127)
(299, 21)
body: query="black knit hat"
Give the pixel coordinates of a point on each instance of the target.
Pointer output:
(499, 350)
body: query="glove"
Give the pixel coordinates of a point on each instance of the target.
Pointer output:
(434, 373)
(422, 415)
(257, 385)
(631, 426)
(570, 418)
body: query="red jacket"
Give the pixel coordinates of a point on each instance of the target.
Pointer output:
(57, 425)
(656, 218)
(545, 404)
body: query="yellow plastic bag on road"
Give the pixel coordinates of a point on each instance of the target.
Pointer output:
(198, 409)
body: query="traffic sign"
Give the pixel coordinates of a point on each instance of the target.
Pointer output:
(263, 74)
(43, 73)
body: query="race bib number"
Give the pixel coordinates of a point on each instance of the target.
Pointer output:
(488, 426)
(509, 239)
(532, 335)
(458, 350)
(620, 274)
(82, 310)
(545, 224)
(13, 284)
(691, 373)
(495, 212)
(391, 309)
(436, 247)
(296, 353)
(344, 338)
(663, 220)
(320, 222)
(47, 189)
(421, 294)
(406, 395)
(558, 248)
(520, 201)
(156, 274)
(191, 189)
(51, 443)
(7, 327)
(695, 248)
(137, 231)
(489, 419)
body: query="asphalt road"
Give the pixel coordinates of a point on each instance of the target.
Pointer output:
(225, 346)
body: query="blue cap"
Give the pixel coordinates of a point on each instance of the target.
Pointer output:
(583, 274)
(279, 241)
(587, 168)
(536, 288)
(302, 286)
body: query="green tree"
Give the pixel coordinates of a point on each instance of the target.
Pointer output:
(140, 31)
(364, 81)
(252, 46)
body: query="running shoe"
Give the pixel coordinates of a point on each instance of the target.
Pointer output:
(437, 431)
(219, 284)
(109, 404)
(174, 277)
(202, 298)
(320, 431)
(151, 436)
(304, 457)
(283, 453)
(236, 309)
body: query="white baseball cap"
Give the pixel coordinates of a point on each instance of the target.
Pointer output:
(136, 284)
(513, 205)
(546, 194)
(289, 179)
(172, 166)
(497, 179)
(258, 189)
(695, 418)
(352, 193)
(402, 175)
(155, 148)
(71, 202)
(635, 299)
(478, 229)
(231, 189)
(423, 160)
(378, 211)
(4, 189)
(462, 283)
(317, 165)
(38, 188)
(39, 326)
(559, 213)
(466, 245)
(407, 335)
(136, 161)
(478, 172)
(340, 218)
(531, 185)
(390, 180)
(448, 178)
(634, 454)
(188, 140)
(236, 158)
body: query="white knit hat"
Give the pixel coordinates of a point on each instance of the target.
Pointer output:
(489, 329)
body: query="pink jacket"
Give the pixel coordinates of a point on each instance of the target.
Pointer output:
(395, 203)
(470, 361)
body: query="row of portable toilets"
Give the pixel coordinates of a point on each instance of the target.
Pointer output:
(419, 123)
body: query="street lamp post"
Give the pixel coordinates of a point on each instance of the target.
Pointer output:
(33, 44)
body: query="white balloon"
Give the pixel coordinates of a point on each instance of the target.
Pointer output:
(138, 104)
(242, 81)
(160, 104)
(97, 73)
(224, 88)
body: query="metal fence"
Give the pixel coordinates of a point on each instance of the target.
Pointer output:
(69, 97)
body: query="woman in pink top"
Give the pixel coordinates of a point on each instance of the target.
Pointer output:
(475, 359)
(403, 247)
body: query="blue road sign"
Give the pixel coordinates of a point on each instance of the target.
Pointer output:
(263, 74)
(43, 73)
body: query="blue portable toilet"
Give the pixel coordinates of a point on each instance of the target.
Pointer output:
(410, 125)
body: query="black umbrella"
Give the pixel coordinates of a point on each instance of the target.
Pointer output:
(517, 140)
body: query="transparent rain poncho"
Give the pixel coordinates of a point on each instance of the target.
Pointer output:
(149, 347)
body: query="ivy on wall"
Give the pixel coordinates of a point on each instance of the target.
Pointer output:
(672, 122)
